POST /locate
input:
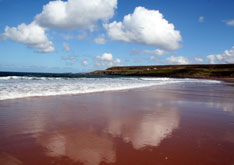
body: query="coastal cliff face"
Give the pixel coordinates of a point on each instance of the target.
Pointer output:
(176, 71)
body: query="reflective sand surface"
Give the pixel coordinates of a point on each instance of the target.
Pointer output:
(174, 124)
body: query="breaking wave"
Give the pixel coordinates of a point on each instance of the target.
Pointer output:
(12, 87)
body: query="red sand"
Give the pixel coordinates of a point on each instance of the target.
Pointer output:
(151, 126)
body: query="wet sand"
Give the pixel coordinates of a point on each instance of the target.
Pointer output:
(164, 125)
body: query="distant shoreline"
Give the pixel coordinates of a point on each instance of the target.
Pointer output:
(222, 72)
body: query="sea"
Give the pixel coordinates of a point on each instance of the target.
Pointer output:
(20, 84)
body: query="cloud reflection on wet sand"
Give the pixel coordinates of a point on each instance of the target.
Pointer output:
(80, 145)
(90, 147)
(149, 130)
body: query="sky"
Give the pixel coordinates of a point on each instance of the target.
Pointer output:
(87, 35)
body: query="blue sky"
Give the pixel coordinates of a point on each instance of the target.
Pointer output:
(75, 36)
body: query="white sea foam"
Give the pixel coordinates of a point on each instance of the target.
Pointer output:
(154, 79)
(12, 87)
(28, 78)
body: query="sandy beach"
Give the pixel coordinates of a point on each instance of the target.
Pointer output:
(171, 124)
(116, 82)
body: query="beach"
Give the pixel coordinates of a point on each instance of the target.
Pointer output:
(177, 123)
(115, 82)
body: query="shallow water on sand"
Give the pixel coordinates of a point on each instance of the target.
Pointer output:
(173, 124)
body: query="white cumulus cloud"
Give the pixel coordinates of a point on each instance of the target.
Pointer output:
(66, 47)
(32, 35)
(211, 59)
(58, 14)
(227, 57)
(106, 59)
(74, 14)
(177, 60)
(145, 27)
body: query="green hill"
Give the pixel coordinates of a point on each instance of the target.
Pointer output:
(176, 71)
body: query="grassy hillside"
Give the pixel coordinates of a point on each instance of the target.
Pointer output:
(179, 71)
